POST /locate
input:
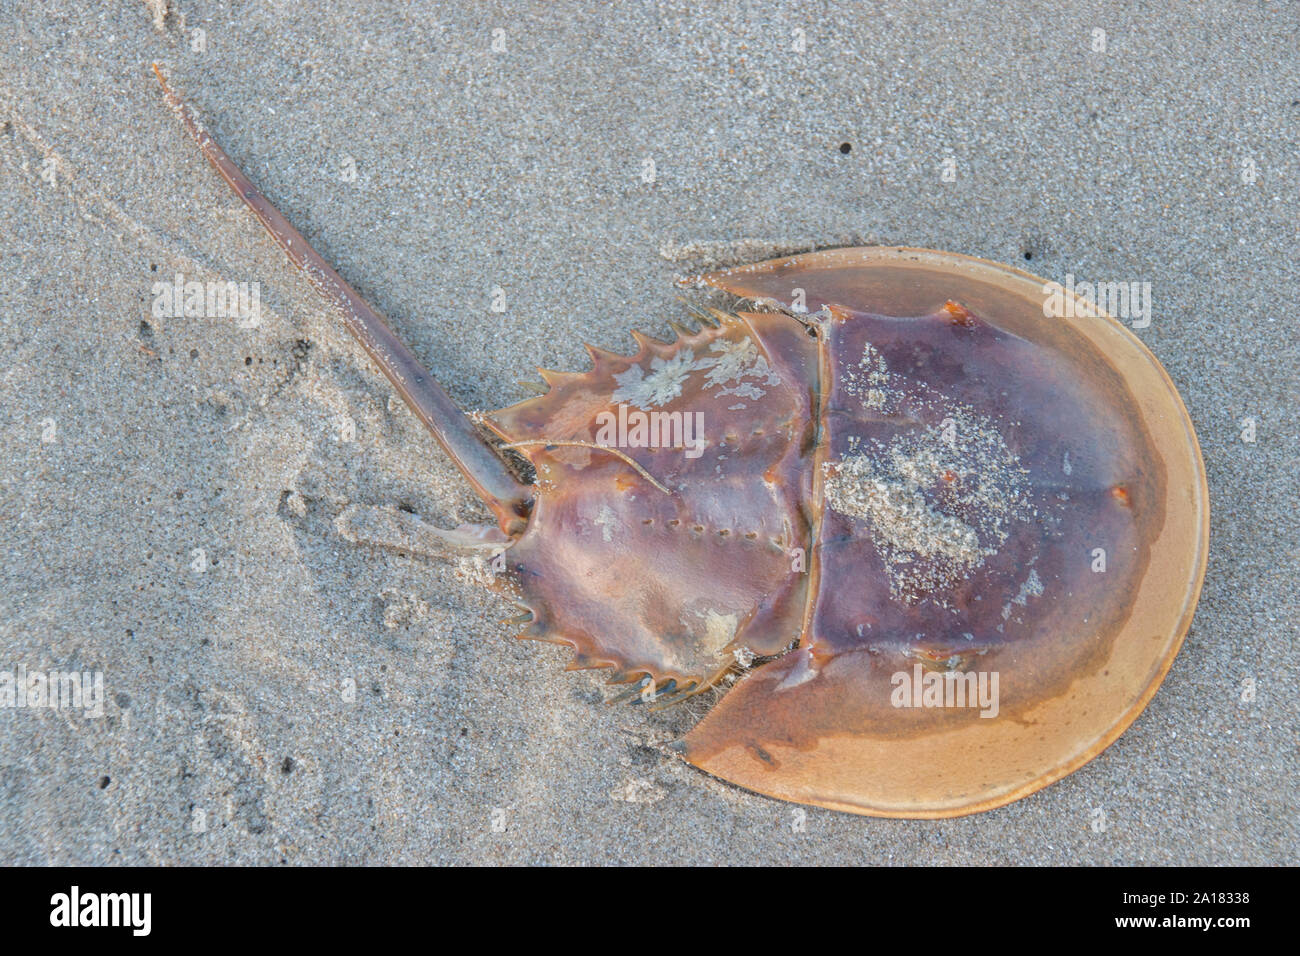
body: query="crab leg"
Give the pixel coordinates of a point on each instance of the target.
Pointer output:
(489, 474)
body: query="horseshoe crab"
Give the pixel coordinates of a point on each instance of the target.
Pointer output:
(936, 548)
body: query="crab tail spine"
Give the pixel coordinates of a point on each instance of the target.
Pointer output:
(490, 475)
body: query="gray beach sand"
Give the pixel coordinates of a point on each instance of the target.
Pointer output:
(169, 487)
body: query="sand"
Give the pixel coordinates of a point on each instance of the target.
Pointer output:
(277, 694)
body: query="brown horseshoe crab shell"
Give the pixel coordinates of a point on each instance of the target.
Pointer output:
(962, 540)
(1052, 546)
